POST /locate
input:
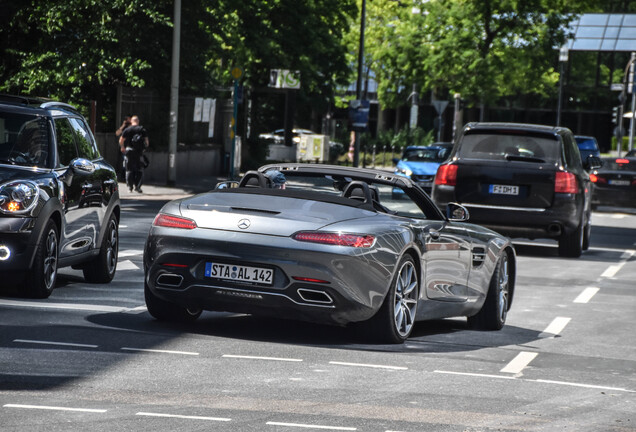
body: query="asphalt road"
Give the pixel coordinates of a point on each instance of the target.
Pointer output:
(91, 358)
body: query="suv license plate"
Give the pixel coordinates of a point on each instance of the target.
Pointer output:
(504, 190)
(239, 273)
(619, 182)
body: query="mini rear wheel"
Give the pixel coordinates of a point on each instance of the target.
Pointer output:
(102, 268)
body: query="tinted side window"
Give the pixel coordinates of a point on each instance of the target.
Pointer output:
(572, 155)
(65, 141)
(85, 144)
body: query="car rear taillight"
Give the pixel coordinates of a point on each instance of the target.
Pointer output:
(446, 175)
(622, 161)
(164, 220)
(593, 178)
(565, 182)
(336, 239)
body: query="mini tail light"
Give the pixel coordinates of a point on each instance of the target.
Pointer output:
(593, 178)
(164, 220)
(565, 182)
(446, 175)
(336, 239)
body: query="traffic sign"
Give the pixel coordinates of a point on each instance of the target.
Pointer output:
(440, 106)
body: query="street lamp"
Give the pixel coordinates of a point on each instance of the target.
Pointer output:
(356, 148)
(563, 59)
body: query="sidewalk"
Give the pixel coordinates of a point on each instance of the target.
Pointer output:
(164, 192)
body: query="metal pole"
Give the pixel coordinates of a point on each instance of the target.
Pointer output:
(558, 119)
(631, 120)
(174, 95)
(356, 146)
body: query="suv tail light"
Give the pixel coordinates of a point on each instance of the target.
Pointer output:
(446, 175)
(565, 182)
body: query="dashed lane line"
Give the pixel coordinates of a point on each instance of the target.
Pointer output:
(563, 383)
(611, 271)
(187, 417)
(261, 358)
(586, 295)
(556, 327)
(158, 351)
(54, 408)
(376, 366)
(41, 342)
(519, 363)
(311, 426)
(67, 306)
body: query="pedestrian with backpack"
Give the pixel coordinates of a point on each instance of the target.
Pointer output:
(133, 142)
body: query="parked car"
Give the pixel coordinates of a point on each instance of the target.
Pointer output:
(326, 244)
(59, 199)
(521, 180)
(278, 136)
(587, 146)
(615, 183)
(420, 163)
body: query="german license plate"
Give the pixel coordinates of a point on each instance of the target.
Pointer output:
(239, 273)
(503, 189)
(619, 182)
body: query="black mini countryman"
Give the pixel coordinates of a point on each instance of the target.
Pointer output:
(59, 199)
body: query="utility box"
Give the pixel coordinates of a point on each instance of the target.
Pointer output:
(313, 148)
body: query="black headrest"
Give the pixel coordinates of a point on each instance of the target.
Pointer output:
(254, 179)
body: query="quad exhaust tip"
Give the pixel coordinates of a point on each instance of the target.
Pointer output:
(314, 296)
(170, 280)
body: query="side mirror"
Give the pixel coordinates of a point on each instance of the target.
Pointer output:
(395, 161)
(81, 165)
(593, 162)
(457, 213)
(226, 185)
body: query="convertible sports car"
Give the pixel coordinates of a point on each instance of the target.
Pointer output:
(326, 244)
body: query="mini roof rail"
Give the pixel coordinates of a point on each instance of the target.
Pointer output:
(58, 104)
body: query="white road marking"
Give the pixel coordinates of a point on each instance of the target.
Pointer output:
(475, 375)
(311, 426)
(583, 385)
(613, 269)
(261, 358)
(159, 351)
(130, 252)
(538, 381)
(556, 326)
(54, 343)
(69, 306)
(368, 365)
(126, 265)
(586, 295)
(519, 363)
(137, 310)
(54, 408)
(221, 419)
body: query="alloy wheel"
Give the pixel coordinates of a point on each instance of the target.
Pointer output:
(405, 305)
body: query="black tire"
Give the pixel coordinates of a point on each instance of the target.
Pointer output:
(395, 320)
(102, 269)
(571, 246)
(586, 236)
(41, 278)
(166, 311)
(493, 313)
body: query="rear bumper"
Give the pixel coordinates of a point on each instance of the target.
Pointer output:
(625, 197)
(353, 289)
(563, 217)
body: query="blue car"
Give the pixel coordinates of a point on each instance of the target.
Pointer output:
(419, 163)
(588, 146)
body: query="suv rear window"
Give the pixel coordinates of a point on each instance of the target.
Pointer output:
(620, 164)
(509, 145)
(24, 139)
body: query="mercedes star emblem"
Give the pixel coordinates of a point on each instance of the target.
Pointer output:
(244, 223)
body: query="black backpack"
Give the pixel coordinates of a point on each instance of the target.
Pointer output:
(137, 142)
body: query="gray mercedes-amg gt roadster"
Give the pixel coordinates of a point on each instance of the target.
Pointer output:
(327, 244)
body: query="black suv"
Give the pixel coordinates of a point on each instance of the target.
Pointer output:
(521, 180)
(59, 199)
